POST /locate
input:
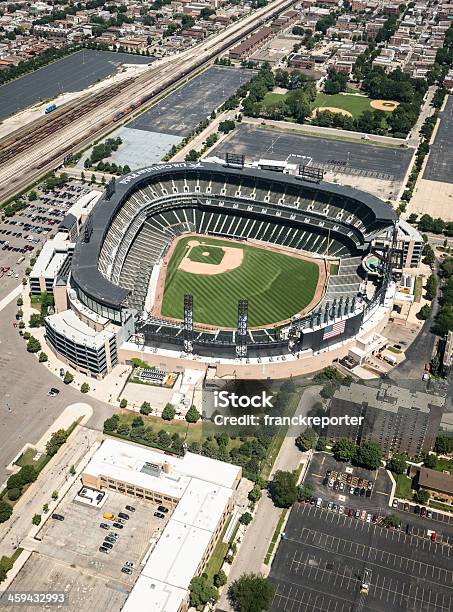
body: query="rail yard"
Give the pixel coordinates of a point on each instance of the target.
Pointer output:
(28, 153)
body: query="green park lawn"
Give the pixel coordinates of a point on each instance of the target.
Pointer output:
(354, 104)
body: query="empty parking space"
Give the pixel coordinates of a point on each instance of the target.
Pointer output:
(43, 574)
(325, 556)
(353, 158)
(440, 160)
(181, 111)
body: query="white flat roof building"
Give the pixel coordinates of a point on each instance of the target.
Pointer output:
(201, 490)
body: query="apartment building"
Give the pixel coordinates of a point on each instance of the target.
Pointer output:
(399, 420)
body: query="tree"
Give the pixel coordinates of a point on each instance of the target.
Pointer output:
(5, 510)
(431, 287)
(220, 579)
(33, 345)
(192, 155)
(72, 470)
(397, 464)
(421, 496)
(68, 378)
(20, 301)
(321, 444)
(14, 494)
(42, 357)
(283, 488)
(192, 415)
(84, 387)
(32, 196)
(45, 508)
(391, 521)
(14, 482)
(431, 462)
(27, 474)
(444, 445)
(123, 403)
(36, 519)
(168, 413)
(201, 591)
(254, 494)
(307, 440)
(305, 491)
(246, 518)
(145, 408)
(369, 455)
(111, 424)
(344, 450)
(35, 320)
(424, 312)
(54, 495)
(251, 593)
(57, 439)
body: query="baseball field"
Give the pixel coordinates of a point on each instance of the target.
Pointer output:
(220, 272)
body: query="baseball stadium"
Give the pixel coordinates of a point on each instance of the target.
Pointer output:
(221, 263)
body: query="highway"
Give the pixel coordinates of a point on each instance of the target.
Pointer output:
(29, 153)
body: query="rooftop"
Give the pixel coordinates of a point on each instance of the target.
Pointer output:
(389, 397)
(69, 325)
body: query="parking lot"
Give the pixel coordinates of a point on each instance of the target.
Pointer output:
(43, 574)
(22, 235)
(351, 158)
(378, 499)
(377, 503)
(180, 112)
(76, 540)
(440, 160)
(322, 560)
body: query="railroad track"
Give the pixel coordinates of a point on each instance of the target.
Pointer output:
(27, 153)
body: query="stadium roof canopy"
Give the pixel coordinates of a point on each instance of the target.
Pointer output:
(84, 268)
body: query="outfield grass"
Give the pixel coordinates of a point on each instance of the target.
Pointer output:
(277, 287)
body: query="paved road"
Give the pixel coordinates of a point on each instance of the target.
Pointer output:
(258, 536)
(72, 73)
(23, 386)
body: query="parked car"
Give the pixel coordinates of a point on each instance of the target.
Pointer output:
(130, 508)
(357, 514)
(159, 515)
(417, 509)
(406, 507)
(433, 536)
(423, 511)
(162, 509)
(117, 525)
(429, 514)
(110, 540)
(104, 526)
(123, 515)
(105, 550)
(129, 564)
(330, 505)
(351, 513)
(395, 503)
(126, 570)
(58, 517)
(106, 544)
(356, 491)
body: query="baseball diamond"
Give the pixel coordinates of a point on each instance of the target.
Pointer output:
(277, 285)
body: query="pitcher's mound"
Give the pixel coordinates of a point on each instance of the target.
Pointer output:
(385, 105)
(332, 109)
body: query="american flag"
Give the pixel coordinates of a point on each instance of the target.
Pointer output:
(334, 330)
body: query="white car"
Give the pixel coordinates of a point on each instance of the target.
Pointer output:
(395, 503)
